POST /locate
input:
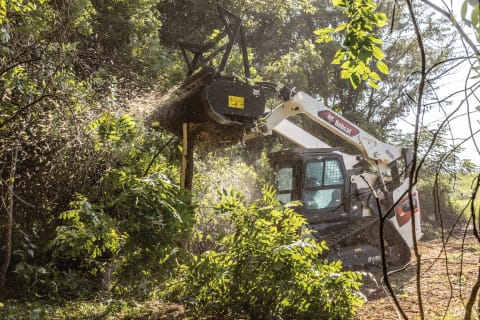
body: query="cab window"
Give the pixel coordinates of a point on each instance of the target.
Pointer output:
(323, 184)
(284, 183)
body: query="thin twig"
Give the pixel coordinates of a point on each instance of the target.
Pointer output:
(413, 176)
(457, 26)
(157, 154)
(476, 286)
(23, 109)
(385, 278)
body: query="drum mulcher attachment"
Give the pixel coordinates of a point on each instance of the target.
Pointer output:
(209, 108)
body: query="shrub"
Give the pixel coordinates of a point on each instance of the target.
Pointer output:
(267, 268)
(130, 230)
(438, 209)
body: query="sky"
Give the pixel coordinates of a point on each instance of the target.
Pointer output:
(455, 81)
(460, 126)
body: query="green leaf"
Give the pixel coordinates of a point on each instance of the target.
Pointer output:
(364, 55)
(355, 80)
(375, 40)
(378, 53)
(361, 68)
(339, 56)
(374, 76)
(382, 67)
(340, 27)
(381, 19)
(3, 10)
(372, 84)
(323, 35)
(337, 3)
(475, 15)
(464, 9)
(346, 64)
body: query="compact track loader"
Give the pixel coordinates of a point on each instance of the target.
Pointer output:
(363, 205)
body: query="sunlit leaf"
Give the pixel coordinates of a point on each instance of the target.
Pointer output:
(374, 76)
(341, 27)
(377, 53)
(373, 84)
(475, 15)
(464, 9)
(375, 40)
(381, 19)
(382, 67)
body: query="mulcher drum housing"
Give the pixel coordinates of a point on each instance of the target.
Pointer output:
(217, 109)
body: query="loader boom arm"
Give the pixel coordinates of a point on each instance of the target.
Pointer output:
(374, 151)
(389, 184)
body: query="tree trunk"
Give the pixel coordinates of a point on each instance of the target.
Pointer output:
(6, 228)
(107, 277)
(187, 158)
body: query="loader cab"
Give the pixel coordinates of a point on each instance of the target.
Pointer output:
(315, 177)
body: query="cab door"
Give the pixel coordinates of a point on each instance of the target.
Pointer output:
(323, 188)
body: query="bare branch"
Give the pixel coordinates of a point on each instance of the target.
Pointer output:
(460, 30)
(7, 227)
(413, 175)
(10, 67)
(23, 109)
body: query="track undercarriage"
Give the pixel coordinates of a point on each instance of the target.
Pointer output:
(356, 242)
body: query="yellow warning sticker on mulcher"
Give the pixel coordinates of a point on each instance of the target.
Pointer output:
(236, 102)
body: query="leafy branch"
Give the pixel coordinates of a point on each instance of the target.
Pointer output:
(360, 47)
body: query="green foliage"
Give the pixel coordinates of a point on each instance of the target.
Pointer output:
(296, 67)
(47, 281)
(470, 13)
(114, 131)
(125, 33)
(266, 268)
(436, 202)
(135, 229)
(360, 47)
(125, 232)
(156, 217)
(462, 196)
(62, 64)
(134, 226)
(16, 6)
(99, 308)
(127, 25)
(223, 170)
(88, 237)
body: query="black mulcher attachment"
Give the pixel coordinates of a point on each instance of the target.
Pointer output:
(217, 108)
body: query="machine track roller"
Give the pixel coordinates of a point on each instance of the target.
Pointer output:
(357, 244)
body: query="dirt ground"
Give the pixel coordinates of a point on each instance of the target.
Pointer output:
(446, 283)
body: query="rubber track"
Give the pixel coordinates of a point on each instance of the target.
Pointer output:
(358, 226)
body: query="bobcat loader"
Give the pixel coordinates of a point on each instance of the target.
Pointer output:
(350, 201)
